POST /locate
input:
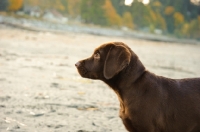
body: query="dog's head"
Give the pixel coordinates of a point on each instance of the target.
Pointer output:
(106, 61)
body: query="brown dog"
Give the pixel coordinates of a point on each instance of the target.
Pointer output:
(148, 103)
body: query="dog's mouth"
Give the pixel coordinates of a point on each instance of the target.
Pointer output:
(81, 69)
(84, 72)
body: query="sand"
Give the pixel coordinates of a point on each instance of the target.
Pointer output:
(41, 90)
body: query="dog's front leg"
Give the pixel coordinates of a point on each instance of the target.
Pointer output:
(126, 121)
(128, 125)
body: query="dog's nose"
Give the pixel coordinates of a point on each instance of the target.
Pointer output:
(78, 64)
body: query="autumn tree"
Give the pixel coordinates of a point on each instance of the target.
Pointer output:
(112, 17)
(178, 18)
(192, 29)
(65, 5)
(127, 20)
(58, 5)
(155, 16)
(168, 14)
(169, 10)
(15, 5)
(73, 7)
(188, 10)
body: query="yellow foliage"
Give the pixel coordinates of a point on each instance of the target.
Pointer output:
(157, 4)
(161, 21)
(74, 7)
(58, 5)
(15, 5)
(169, 10)
(46, 4)
(179, 18)
(191, 29)
(198, 18)
(153, 16)
(185, 29)
(34, 2)
(111, 14)
(156, 19)
(128, 20)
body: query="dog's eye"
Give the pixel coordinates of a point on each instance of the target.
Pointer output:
(97, 56)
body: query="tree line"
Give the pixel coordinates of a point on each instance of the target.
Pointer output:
(177, 17)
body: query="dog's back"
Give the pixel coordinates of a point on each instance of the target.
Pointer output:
(182, 105)
(163, 104)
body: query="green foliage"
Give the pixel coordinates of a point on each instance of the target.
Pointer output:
(145, 16)
(193, 29)
(74, 7)
(119, 6)
(92, 12)
(140, 14)
(60, 5)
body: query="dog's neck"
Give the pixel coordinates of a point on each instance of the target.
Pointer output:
(119, 83)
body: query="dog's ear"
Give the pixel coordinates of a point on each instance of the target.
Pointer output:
(117, 59)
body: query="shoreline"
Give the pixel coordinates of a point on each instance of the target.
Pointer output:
(41, 26)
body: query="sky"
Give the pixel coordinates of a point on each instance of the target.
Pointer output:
(128, 2)
(196, 1)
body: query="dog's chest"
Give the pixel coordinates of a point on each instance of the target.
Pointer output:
(122, 113)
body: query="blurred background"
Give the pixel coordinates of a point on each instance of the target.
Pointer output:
(180, 18)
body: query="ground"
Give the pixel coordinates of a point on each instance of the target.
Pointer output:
(41, 90)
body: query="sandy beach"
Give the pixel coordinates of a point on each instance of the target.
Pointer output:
(41, 90)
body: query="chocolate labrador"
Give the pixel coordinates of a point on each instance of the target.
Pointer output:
(148, 103)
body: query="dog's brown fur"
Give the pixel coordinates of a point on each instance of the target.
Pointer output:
(148, 103)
